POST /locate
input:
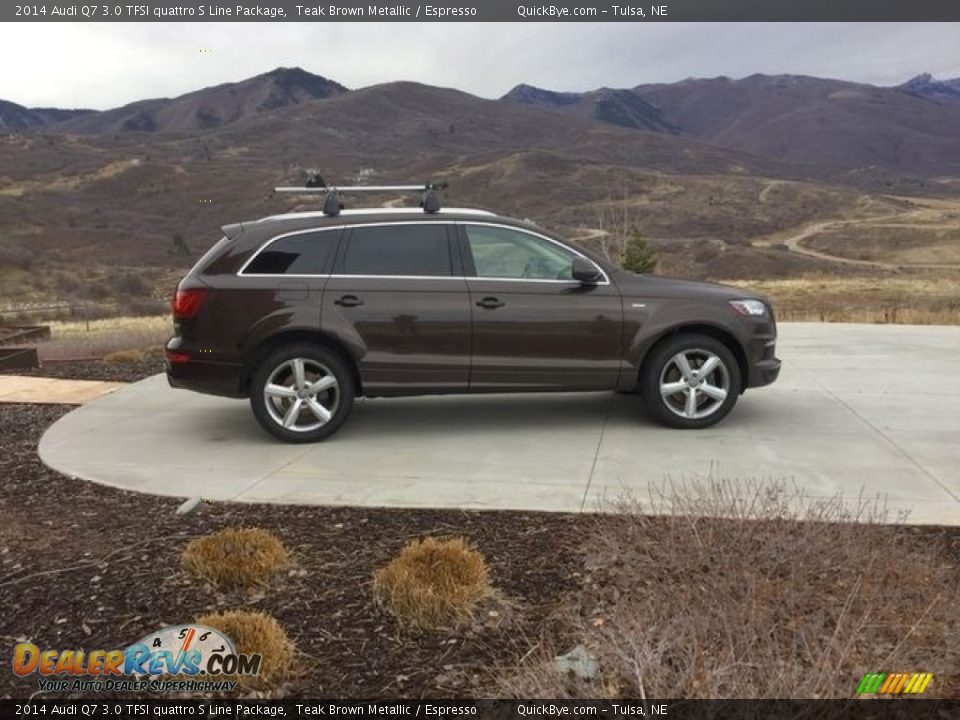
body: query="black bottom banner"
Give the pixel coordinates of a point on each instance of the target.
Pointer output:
(862, 709)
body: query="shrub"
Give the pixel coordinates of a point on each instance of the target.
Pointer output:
(638, 257)
(255, 632)
(433, 583)
(122, 357)
(236, 557)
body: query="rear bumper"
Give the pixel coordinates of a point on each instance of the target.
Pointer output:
(209, 378)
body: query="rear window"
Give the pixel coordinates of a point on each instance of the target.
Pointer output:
(398, 250)
(308, 253)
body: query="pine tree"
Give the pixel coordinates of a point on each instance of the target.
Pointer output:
(638, 256)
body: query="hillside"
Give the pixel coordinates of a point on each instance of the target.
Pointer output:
(110, 214)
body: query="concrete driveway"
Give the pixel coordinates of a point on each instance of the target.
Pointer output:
(859, 411)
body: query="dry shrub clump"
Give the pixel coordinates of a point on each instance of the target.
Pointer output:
(771, 596)
(236, 557)
(433, 583)
(256, 632)
(121, 357)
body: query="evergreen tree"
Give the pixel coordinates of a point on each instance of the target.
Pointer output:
(638, 256)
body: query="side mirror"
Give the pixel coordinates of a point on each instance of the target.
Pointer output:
(585, 271)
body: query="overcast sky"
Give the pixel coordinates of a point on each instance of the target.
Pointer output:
(103, 65)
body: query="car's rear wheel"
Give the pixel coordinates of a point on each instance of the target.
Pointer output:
(302, 393)
(690, 381)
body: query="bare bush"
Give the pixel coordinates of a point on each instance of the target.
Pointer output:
(433, 583)
(236, 557)
(775, 595)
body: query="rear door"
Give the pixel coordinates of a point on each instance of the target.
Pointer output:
(534, 327)
(397, 296)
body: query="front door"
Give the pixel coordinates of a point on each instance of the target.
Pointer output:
(534, 327)
(398, 298)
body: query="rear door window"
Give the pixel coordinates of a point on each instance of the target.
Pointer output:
(307, 253)
(405, 250)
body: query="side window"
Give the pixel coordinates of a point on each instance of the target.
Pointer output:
(506, 253)
(302, 254)
(398, 250)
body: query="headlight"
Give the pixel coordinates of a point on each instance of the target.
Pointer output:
(752, 308)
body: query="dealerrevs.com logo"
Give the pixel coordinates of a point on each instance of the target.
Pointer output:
(175, 658)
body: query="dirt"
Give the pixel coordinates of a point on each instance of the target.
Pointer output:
(85, 566)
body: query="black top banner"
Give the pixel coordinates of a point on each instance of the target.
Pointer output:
(490, 11)
(873, 709)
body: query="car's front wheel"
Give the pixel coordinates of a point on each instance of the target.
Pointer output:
(690, 381)
(301, 393)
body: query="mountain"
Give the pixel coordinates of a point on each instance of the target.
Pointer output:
(924, 86)
(210, 107)
(797, 119)
(530, 95)
(17, 117)
(814, 121)
(618, 107)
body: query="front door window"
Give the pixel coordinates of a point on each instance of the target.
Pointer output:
(512, 254)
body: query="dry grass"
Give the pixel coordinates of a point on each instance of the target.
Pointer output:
(773, 597)
(433, 583)
(74, 340)
(122, 357)
(922, 299)
(256, 633)
(236, 557)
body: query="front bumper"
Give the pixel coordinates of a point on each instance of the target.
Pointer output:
(763, 363)
(764, 373)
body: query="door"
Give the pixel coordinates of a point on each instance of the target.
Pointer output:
(397, 296)
(534, 327)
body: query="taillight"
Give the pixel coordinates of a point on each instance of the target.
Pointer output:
(177, 358)
(187, 303)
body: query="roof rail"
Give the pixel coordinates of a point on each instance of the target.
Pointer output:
(333, 195)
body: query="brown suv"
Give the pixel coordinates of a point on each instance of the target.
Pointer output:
(303, 312)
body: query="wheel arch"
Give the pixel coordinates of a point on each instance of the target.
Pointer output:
(714, 331)
(265, 346)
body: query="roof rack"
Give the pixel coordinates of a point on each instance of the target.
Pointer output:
(333, 195)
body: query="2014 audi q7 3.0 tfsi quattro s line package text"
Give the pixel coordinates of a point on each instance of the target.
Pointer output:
(306, 311)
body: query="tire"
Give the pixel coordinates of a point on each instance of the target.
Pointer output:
(309, 424)
(663, 369)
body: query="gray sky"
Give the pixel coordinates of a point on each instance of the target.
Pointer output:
(102, 65)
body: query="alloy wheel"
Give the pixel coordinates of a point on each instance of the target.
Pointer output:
(694, 383)
(301, 394)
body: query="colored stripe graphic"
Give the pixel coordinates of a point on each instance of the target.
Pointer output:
(890, 682)
(927, 677)
(894, 683)
(870, 683)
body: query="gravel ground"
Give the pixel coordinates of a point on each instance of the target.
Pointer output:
(83, 565)
(86, 566)
(99, 370)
